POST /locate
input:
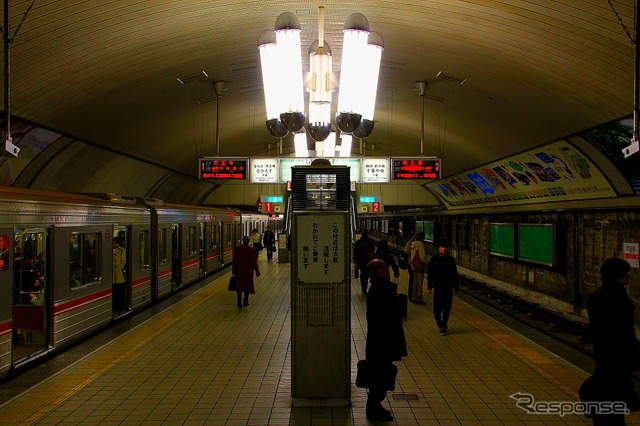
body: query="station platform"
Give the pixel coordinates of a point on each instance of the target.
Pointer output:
(202, 361)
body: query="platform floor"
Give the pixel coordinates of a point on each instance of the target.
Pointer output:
(203, 361)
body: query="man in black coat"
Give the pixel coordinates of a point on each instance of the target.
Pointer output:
(362, 253)
(385, 335)
(615, 346)
(269, 242)
(442, 278)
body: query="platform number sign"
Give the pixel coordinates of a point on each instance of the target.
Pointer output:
(375, 207)
(268, 207)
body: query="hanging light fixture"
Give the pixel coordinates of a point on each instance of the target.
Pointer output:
(283, 80)
(320, 85)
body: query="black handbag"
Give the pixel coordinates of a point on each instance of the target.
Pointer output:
(376, 374)
(232, 283)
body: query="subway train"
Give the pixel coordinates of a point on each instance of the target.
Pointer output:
(60, 280)
(550, 257)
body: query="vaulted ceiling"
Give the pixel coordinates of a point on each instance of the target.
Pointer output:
(107, 71)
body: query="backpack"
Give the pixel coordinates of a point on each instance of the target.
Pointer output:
(417, 264)
(403, 261)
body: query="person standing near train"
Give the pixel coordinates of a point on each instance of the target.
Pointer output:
(418, 260)
(245, 262)
(256, 240)
(119, 286)
(442, 277)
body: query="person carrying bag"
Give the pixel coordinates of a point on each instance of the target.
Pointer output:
(418, 263)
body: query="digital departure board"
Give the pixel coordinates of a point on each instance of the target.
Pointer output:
(223, 168)
(417, 168)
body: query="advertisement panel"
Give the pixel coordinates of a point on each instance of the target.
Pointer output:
(555, 172)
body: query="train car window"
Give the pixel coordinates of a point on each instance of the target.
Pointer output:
(84, 259)
(162, 245)
(191, 240)
(4, 252)
(143, 261)
(216, 234)
(228, 240)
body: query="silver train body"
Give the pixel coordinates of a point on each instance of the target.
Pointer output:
(58, 273)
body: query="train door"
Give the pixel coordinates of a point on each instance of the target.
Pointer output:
(121, 283)
(30, 293)
(201, 249)
(176, 256)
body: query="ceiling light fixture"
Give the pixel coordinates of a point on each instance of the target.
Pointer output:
(284, 83)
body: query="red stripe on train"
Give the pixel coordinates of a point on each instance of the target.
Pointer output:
(164, 273)
(193, 262)
(6, 328)
(83, 301)
(211, 256)
(141, 281)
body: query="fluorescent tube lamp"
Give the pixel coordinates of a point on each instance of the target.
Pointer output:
(345, 147)
(300, 144)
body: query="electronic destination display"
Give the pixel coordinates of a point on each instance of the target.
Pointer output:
(416, 168)
(223, 168)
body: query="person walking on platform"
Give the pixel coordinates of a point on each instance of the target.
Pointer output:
(615, 346)
(407, 251)
(385, 337)
(256, 240)
(245, 262)
(383, 253)
(363, 250)
(442, 277)
(269, 242)
(418, 260)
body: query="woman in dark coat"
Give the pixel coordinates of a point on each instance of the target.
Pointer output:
(244, 263)
(385, 333)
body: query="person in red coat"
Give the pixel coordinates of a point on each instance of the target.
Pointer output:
(244, 263)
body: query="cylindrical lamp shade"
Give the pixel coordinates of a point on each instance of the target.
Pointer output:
(288, 42)
(271, 79)
(369, 78)
(345, 147)
(321, 77)
(353, 55)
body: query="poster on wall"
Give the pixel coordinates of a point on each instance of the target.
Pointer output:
(554, 172)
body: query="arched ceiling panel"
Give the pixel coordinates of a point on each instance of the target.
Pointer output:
(106, 71)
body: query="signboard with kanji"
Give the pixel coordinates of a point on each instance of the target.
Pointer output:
(264, 170)
(416, 168)
(223, 168)
(321, 248)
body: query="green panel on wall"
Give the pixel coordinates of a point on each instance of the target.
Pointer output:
(536, 243)
(428, 231)
(502, 242)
